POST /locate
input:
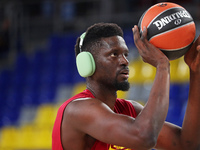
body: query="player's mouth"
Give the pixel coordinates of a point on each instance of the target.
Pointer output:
(124, 73)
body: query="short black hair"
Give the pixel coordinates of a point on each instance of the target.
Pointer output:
(94, 34)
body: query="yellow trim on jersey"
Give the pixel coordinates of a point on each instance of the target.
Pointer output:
(114, 147)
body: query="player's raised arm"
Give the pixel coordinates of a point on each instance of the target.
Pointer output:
(156, 108)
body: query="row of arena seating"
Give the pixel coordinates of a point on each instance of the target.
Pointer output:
(33, 89)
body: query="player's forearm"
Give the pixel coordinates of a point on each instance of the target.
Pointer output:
(159, 96)
(191, 125)
(154, 113)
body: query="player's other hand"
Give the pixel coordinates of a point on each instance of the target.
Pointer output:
(192, 57)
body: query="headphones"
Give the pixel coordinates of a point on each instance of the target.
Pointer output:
(84, 61)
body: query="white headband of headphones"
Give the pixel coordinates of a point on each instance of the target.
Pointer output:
(81, 40)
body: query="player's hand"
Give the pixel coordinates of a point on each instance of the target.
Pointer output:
(149, 53)
(192, 57)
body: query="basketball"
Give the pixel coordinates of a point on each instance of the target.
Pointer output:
(170, 28)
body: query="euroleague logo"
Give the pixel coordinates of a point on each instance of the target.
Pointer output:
(175, 18)
(162, 5)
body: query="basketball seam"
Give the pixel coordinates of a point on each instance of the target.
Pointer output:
(178, 49)
(140, 21)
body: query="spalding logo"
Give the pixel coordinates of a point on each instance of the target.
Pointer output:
(176, 17)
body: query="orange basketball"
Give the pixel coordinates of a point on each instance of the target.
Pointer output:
(170, 28)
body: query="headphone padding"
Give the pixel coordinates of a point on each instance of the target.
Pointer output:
(85, 64)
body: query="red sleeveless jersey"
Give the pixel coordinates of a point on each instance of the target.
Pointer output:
(121, 107)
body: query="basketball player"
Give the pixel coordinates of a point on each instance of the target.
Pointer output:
(96, 119)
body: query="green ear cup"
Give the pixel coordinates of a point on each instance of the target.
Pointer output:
(85, 64)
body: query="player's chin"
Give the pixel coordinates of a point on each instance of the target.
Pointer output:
(123, 85)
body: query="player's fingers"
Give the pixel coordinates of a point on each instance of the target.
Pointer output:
(198, 54)
(197, 43)
(139, 42)
(191, 54)
(144, 33)
(198, 48)
(136, 34)
(195, 66)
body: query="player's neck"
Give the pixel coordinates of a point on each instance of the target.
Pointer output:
(104, 94)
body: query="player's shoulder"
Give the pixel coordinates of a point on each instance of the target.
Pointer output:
(138, 106)
(79, 107)
(81, 102)
(82, 105)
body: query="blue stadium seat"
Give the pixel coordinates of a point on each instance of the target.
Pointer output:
(54, 43)
(178, 98)
(5, 80)
(30, 97)
(9, 116)
(47, 94)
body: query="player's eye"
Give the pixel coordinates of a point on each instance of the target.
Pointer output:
(126, 54)
(113, 54)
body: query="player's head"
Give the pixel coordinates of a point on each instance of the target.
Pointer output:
(93, 36)
(94, 47)
(88, 46)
